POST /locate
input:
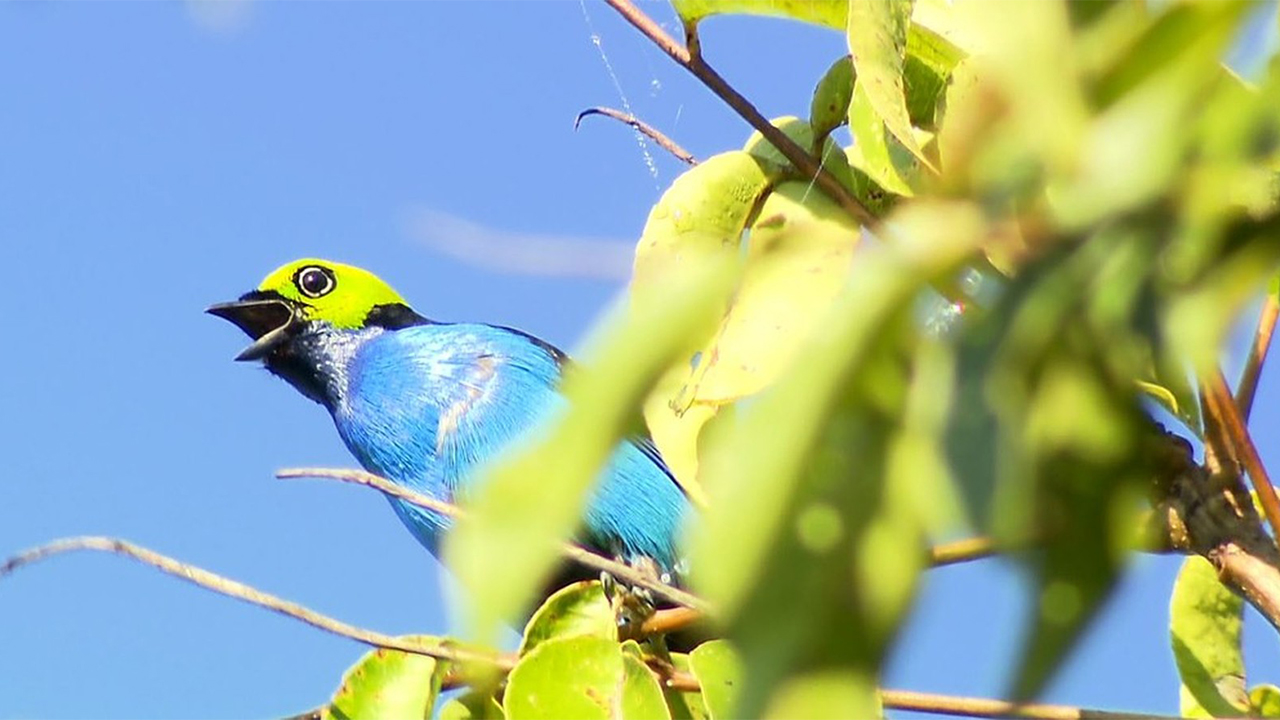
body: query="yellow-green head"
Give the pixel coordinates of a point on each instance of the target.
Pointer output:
(311, 291)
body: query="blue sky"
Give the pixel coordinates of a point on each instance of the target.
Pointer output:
(156, 158)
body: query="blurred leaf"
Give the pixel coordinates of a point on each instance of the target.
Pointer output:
(1264, 701)
(827, 695)
(803, 468)
(829, 108)
(719, 674)
(471, 706)
(508, 544)
(877, 34)
(702, 215)
(574, 610)
(1056, 359)
(582, 677)
(830, 13)
(1205, 621)
(388, 683)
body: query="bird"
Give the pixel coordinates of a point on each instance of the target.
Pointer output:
(425, 403)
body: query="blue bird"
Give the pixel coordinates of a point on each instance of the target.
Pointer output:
(423, 403)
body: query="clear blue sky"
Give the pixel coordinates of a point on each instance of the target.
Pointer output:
(156, 158)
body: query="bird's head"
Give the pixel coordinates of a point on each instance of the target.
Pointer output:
(310, 293)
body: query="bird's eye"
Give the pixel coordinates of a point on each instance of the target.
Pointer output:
(315, 281)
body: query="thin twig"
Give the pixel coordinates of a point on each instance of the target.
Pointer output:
(577, 554)
(641, 127)
(696, 65)
(982, 707)
(669, 620)
(909, 700)
(1258, 354)
(240, 591)
(959, 551)
(1224, 407)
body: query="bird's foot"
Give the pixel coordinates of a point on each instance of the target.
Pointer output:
(631, 605)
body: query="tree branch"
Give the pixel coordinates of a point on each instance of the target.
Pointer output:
(1212, 515)
(577, 554)
(246, 593)
(695, 64)
(1223, 408)
(1257, 354)
(641, 127)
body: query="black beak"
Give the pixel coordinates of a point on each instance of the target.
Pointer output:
(266, 317)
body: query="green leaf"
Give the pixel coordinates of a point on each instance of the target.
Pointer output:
(830, 13)
(471, 706)
(685, 705)
(506, 547)
(887, 163)
(388, 683)
(877, 34)
(1264, 701)
(930, 59)
(719, 674)
(582, 677)
(798, 257)
(795, 261)
(829, 108)
(641, 697)
(702, 215)
(1205, 621)
(574, 610)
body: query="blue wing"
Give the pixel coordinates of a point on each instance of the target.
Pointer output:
(427, 403)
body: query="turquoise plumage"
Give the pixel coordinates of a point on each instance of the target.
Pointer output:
(424, 403)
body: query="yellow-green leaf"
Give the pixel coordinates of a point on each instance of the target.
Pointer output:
(574, 610)
(829, 108)
(719, 674)
(388, 683)
(1205, 620)
(582, 677)
(830, 13)
(877, 34)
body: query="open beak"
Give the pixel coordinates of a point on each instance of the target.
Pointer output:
(264, 316)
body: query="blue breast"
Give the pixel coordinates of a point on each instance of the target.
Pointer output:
(426, 404)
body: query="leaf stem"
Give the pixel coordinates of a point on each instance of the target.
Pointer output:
(240, 591)
(577, 554)
(641, 127)
(696, 65)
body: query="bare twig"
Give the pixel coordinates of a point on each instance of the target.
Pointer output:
(641, 127)
(1258, 354)
(910, 700)
(1223, 407)
(961, 551)
(695, 64)
(982, 707)
(577, 554)
(240, 591)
